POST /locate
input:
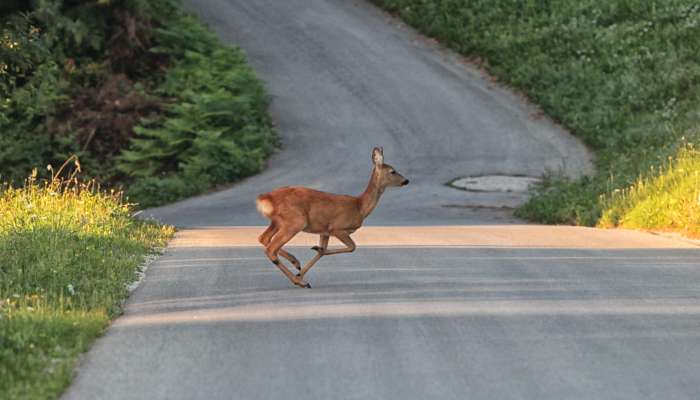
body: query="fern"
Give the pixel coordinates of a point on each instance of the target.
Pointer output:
(215, 129)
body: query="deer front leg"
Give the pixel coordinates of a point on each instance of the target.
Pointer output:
(321, 248)
(322, 244)
(346, 239)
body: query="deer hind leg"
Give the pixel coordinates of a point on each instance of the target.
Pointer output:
(272, 249)
(284, 253)
(265, 238)
(321, 248)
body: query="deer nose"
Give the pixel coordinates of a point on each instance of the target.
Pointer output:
(405, 182)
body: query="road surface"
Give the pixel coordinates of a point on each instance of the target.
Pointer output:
(447, 297)
(344, 77)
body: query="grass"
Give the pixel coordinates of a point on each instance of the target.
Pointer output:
(68, 251)
(623, 75)
(667, 200)
(39, 349)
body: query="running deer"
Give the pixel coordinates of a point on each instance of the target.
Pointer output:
(295, 209)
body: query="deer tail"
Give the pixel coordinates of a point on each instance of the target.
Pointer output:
(264, 205)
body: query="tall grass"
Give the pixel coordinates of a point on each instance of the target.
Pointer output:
(667, 200)
(67, 252)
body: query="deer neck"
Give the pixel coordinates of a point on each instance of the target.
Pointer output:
(370, 197)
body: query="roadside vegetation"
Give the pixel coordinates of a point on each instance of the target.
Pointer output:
(623, 75)
(147, 97)
(69, 250)
(150, 102)
(666, 201)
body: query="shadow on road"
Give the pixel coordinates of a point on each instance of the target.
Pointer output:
(420, 282)
(411, 323)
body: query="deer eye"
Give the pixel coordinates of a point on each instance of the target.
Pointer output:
(393, 172)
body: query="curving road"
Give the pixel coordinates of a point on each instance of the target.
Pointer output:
(344, 77)
(447, 297)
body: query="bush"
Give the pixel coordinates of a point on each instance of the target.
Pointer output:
(130, 83)
(51, 54)
(214, 131)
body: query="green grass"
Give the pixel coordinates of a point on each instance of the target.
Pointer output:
(623, 75)
(39, 349)
(668, 200)
(68, 251)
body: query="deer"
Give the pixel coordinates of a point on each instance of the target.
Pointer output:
(294, 209)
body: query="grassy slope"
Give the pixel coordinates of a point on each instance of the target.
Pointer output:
(623, 75)
(667, 201)
(68, 253)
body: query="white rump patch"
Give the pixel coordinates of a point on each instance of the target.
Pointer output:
(264, 207)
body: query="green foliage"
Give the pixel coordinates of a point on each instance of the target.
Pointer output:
(68, 71)
(38, 349)
(624, 75)
(562, 201)
(30, 85)
(215, 128)
(48, 54)
(87, 77)
(68, 252)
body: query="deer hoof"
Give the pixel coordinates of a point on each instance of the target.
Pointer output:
(302, 284)
(318, 249)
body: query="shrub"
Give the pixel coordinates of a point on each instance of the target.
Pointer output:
(215, 129)
(129, 82)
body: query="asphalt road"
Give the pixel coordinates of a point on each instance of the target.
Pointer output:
(437, 302)
(344, 77)
(214, 320)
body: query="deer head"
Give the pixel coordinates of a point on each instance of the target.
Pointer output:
(385, 174)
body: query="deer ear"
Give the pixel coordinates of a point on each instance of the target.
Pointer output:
(378, 156)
